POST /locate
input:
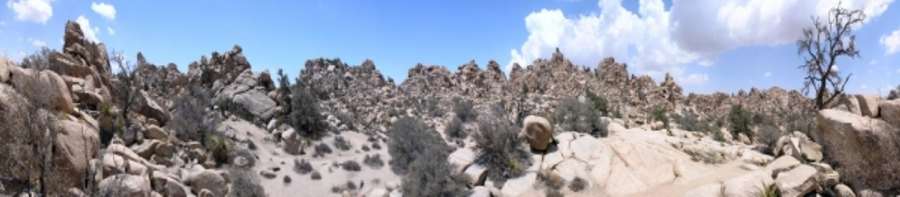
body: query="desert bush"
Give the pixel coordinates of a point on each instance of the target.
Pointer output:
(464, 109)
(227, 105)
(191, 121)
(574, 115)
(455, 129)
(598, 102)
(692, 122)
(429, 105)
(577, 184)
(351, 165)
(244, 183)
(740, 121)
(430, 175)
(321, 150)
(660, 114)
(305, 116)
(39, 60)
(218, 147)
(410, 138)
(499, 148)
(315, 175)
(302, 166)
(342, 144)
(373, 161)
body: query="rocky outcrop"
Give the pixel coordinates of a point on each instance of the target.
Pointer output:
(125, 185)
(890, 112)
(864, 149)
(44, 88)
(148, 107)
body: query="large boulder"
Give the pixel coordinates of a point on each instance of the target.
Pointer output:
(75, 145)
(16, 137)
(45, 88)
(797, 181)
(890, 112)
(257, 103)
(208, 180)
(865, 150)
(148, 107)
(125, 185)
(168, 185)
(538, 132)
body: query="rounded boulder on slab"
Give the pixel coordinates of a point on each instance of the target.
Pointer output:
(538, 131)
(864, 150)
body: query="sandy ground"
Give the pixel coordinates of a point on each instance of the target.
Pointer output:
(271, 155)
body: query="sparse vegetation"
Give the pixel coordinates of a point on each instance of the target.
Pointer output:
(410, 139)
(39, 60)
(455, 129)
(191, 121)
(373, 161)
(499, 149)
(660, 114)
(894, 94)
(464, 109)
(351, 165)
(302, 166)
(740, 121)
(218, 147)
(315, 175)
(244, 183)
(321, 150)
(305, 116)
(430, 175)
(690, 121)
(342, 144)
(577, 184)
(574, 115)
(598, 102)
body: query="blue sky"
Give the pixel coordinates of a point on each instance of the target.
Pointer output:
(704, 49)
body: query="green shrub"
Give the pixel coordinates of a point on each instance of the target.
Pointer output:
(305, 116)
(342, 144)
(740, 121)
(455, 129)
(691, 122)
(574, 115)
(431, 175)
(660, 114)
(218, 147)
(577, 184)
(464, 109)
(598, 102)
(244, 183)
(499, 149)
(351, 165)
(191, 121)
(302, 166)
(373, 161)
(410, 138)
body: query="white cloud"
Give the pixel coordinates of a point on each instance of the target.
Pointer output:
(90, 32)
(38, 11)
(108, 11)
(695, 79)
(767, 74)
(654, 40)
(710, 27)
(640, 39)
(38, 43)
(111, 31)
(891, 42)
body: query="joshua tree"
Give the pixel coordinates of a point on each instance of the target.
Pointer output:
(821, 46)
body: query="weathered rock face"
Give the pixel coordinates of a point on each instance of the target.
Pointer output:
(864, 149)
(45, 88)
(4, 70)
(219, 70)
(125, 185)
(16, 139)
(208, 180)
(148, 107)
(75, 145)
(890, 112)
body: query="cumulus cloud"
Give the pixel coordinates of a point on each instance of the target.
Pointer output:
(90, 32)
(891, 42)
(38, 11)
(654, 39)
(105, 10)
(710, 27)
(38, 43)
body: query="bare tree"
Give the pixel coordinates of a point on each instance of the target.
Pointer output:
(126, 89)
(821, 47)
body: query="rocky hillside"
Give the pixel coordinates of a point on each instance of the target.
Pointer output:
(74, 126)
